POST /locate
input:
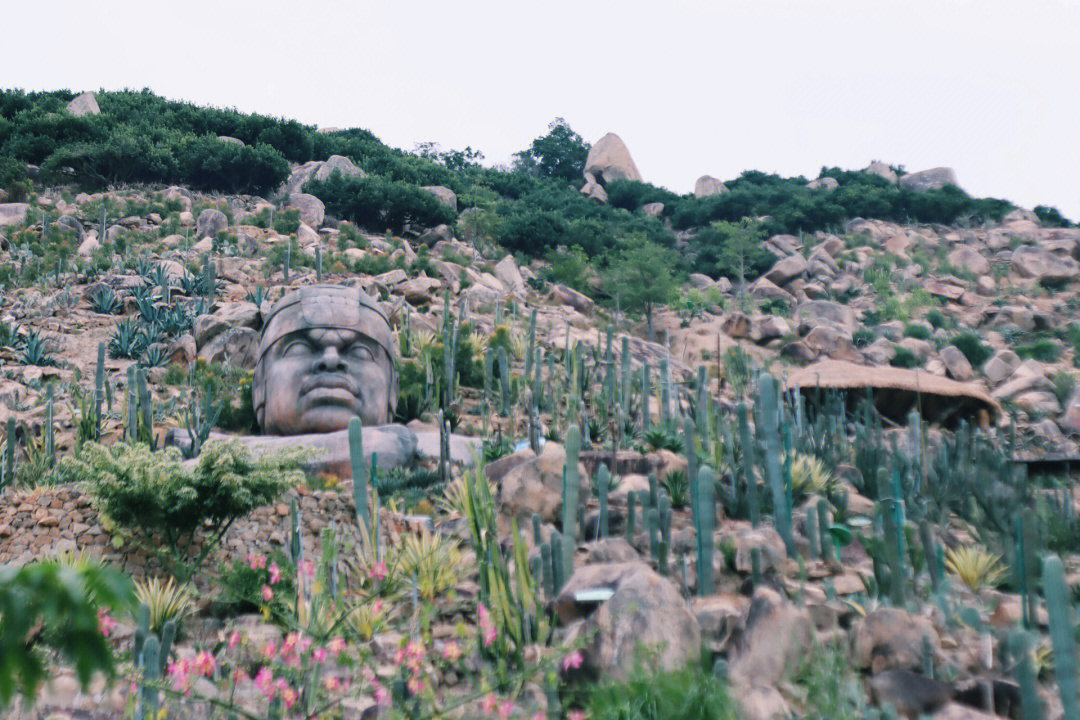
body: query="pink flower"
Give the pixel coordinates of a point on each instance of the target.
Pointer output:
(239, 675)
(487, 625)
(572, 661)
(205, 663)
(377, 607)
(451, 651)
(257, 561)
(289, 696)
(415, 685)
(275, 574)
(489, 704)
(506, 709)
(179, 672)
(234, 639)
(269, 650)
(105, 623)
(540, 716)
(331, 683)
(307, 569)
(378, 571)
(336, 645)
(382, 695)
(267, 593)
(264, 680)
(575, 715)
(319, 655)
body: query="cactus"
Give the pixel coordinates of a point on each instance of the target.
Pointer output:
(813, 531)
(624, 380)
(529, 359)
(825, 540)
(99, 388)
(558, 569)
(146, 409)
(147, 705)
(769, 428)
(288, 262)
(602, 483)
(746, 442)
(168, 635)
(705, 523)
(646, 394)
(131, 431)
(9, 453)
(664, 518)
(1062, 632)
(1020, 646)
(654, 492)
(50, 432)
(504, 382)
(296, 540)
(548, 577)
(359, 473)
(537, 538)
(571, 501)
(444, 447)
(631, 519)
(665, 393)
(318, 263)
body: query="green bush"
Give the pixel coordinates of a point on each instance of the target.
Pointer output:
(1045, 350)
(905, 358)
(971, 345)
(690, 693)
(167, 504)
(917, 331)
(378, 203)
(937, 319)
(863, 337)
(240, 588)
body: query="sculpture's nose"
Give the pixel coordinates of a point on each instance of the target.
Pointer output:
(330, 360)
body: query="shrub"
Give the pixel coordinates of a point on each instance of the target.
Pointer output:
(976, 566)
(971, 345)
(905, 358)
(917, 331)
(167, 504)
(937, 319)
(166, 600)
(1045, 350)
(677, 485)
(693, 692)
(863, 337)
(242, 583)
(379, 203)
(1064, 385)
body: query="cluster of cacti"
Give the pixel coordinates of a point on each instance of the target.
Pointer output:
(767, 424)
(151, 657)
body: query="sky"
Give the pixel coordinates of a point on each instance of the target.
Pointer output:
(989, 88)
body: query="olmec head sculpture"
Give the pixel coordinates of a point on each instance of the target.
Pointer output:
(325, 357)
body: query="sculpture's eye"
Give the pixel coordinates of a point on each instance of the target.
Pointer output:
(360, 351)
(296, 347)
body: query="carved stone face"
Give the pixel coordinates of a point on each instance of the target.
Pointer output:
(324, 359)
(319, 379)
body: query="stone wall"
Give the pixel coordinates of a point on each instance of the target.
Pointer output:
(44, 522)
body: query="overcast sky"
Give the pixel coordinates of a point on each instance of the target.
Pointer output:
(989, 88)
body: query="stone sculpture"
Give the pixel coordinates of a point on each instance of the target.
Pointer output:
(326, 355)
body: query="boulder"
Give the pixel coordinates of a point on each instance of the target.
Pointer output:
(707, 185)
(969, 259)
(957, 364)
(307, 238)
(825, 312)
(610, 160)
(312, 210)
(787, 269)
(506, 270)
(13, 213)
(766, 327)
(825, 183)
(763, 289)
(594, 190)
(653, 209)
(210, 223)
(922, 349)
(564, 295)
(228, 315)
(1038, 402)
(338, 163)
(70, 222)
(932, 179)
(735, 325)
(1070, 420)
(745, 538)
(85, 104)
(237, 346)
(889, 637)
(1033, 261)
(778, 636)
(701, 281)
(833, 343)
(646, 611)
(420, 289)
(231, 140)
(783, 245)
(911, 694)
(435, 235)
(1028, 375)
(882, 170)
(443, 194)
(88, 245)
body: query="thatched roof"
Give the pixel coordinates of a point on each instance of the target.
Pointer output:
(896, 391)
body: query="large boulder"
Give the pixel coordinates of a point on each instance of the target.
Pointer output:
(594, 190)
(646, 612)
(443, 194)
(13, 213)
(891, 637)
(237, 346)
(825, 312)
(833, 343)
(707, 185)
(787, 269)
(564, 295)
(778, 636)
(882, 170)
(1033, 261)
(932, 179)
(338, 163)
(506, 270)
(85, 104)
(825, 183)
(957, 364)
(969, 259)
(764, 289)
(228, 315)
(312, 210)
(610, 160)
(535, 485)
(210, 223)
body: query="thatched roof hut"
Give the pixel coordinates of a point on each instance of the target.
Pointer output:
(896, 392)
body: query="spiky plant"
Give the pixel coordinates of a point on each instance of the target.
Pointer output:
(433, 560)
(167, 600)
(976, 566)
(37, 349)
(677, 485)
(105, 301)
(809, 476)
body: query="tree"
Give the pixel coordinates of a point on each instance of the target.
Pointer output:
(559, 154)
(641, 274)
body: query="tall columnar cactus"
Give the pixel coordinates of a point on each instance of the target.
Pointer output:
(146, 409)
(602, 482)
(50, 432)
(665, 393)
(99, 389)
(296, 538)
(558, 568)
(825, 538)
(664, 519)
(705, 526)
(690, 447)
(359, 473)
(529, 359)
(9, 453)
(318, 263)
(1020, 646)
(769, 429)
(631, 519)
(287, 263)
(813, 534)
(147, 705)
(746, 467)
(1062, 632)
(571, 501)
(624, 376)
(504, 382)
(132, 429)
(646, 395)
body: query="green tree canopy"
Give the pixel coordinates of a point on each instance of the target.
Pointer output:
(559, 154)
(641, 275)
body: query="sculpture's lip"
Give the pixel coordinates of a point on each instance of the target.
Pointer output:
(329, 382)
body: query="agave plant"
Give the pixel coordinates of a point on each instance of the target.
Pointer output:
(155, 355)
(976, 566)
(148, 311)
(126, 340)
(677, 485)
(809, 476)
(433, 560)
(259, 295)
(174, 320)
(159, 276)
(659, 438)
(142, 294)
(190, 284)
(166, 600)
(37, 349)
(9, 335)
(105, 301)
(151, 334)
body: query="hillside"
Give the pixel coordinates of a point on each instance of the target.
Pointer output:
(863, 376)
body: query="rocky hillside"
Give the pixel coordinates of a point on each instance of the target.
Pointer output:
(662, 350)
